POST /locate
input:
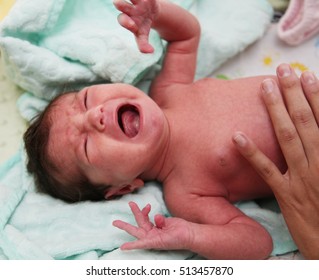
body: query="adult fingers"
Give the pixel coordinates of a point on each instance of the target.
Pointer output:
(286, 131)
(310, 85)
(262, 164)
(298, 106)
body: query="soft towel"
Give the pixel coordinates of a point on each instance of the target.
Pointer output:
(43, 52)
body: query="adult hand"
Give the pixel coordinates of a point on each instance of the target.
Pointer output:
(294, 111)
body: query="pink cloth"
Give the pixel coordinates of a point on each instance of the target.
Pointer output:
(300, 22)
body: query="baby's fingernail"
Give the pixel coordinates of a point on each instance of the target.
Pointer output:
(267, 86)
(309, 77)
(283, 71)
(131, 22)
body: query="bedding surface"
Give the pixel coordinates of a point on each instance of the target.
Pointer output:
(12, 125)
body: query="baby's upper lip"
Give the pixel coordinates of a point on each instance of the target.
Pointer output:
(128, 119)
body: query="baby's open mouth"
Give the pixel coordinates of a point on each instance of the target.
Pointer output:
(129, 120)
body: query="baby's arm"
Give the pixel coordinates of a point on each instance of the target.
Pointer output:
(174, 24)
(237, 238)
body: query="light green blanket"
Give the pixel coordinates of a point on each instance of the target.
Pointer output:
(56, 45)
(53, 46)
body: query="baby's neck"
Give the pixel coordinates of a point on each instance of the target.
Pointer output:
(161, 167)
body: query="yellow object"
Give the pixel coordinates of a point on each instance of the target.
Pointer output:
(299, 66)
(5, 6)
(268, 60)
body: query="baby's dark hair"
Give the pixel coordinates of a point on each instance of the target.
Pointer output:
(42, 168)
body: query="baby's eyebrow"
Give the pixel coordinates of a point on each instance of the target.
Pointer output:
(76, 96)
(76, 101)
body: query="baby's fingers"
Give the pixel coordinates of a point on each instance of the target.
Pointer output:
(130, 229)
(128, 23)
(143, 44)
(141, 217)
(146, 210)
(123, 6)
(137, 244)
(141, 39)
(159, 221)
(125, 19)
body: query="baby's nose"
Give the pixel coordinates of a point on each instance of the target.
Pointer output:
(95, 118)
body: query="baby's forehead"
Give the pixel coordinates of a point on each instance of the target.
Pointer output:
(59, 117)
(60, 147)
(67, 97)
(61, 102)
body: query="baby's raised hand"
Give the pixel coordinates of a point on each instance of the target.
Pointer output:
(138, 17)
(165, 234)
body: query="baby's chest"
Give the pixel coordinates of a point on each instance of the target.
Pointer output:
(221, 172)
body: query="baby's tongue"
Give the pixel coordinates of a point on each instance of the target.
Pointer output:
(131, 123)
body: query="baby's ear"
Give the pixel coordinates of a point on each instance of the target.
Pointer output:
(125, 189)
(137, 183)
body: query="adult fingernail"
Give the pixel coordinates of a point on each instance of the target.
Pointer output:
(240, 140)
(267, 86)
(309, 77)
(283, 71)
